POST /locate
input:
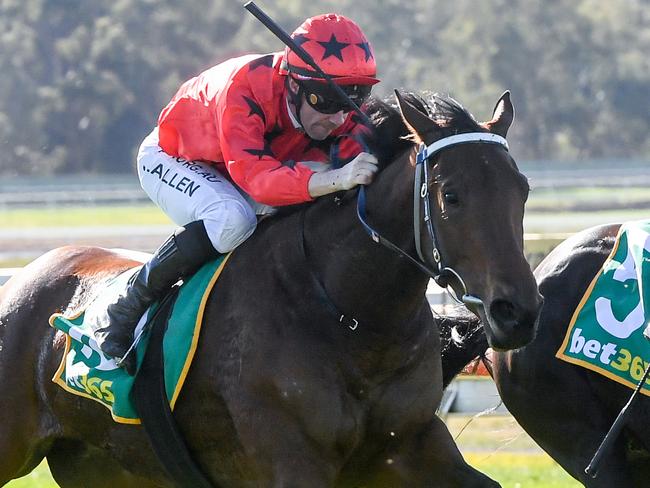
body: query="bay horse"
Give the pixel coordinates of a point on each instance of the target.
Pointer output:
(565, 408)
(283, 392)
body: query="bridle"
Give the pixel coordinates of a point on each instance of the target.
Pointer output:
(443, 275)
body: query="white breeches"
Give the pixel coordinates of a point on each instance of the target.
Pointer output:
(191, 190)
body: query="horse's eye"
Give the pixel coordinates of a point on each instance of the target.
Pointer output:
(451, 198)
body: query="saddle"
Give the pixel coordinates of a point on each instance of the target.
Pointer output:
(608, 332)
(86, 371)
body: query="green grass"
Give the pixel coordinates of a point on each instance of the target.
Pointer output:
(499, 447)
(522, 470)
(83, 216)
(39, 478)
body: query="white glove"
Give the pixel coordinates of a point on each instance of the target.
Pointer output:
(359, 171)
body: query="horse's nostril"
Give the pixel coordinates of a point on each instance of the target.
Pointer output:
(503, 311)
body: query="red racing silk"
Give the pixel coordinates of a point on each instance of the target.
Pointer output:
(235, 115)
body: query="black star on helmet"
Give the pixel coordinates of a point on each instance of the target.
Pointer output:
(300, 39)
(366, 49)
(333, 48)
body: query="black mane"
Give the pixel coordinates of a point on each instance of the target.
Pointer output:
(451, 116)
(390, 134)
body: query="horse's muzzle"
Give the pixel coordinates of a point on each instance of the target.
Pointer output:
(511, 325)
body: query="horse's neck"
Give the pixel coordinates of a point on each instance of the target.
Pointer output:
(362, 278)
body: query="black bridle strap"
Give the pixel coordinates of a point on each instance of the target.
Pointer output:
(343, 318)
(421, 184)
(421, 198)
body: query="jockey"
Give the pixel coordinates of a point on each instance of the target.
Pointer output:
(244, 136)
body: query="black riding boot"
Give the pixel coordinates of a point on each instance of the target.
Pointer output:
(180, 255)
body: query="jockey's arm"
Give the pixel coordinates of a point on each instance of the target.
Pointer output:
(255, 170)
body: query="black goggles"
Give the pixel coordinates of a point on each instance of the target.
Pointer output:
(322, 97)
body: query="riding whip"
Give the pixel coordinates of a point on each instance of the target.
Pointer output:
(614, 430)
(302, 54)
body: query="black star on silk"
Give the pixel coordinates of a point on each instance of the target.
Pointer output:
(275, 132)
(255, 108)
(263, 61)
(289, 164)
(366, 49)
(265, 151)
(333, 48)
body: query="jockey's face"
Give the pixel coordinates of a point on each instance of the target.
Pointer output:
(317, 125)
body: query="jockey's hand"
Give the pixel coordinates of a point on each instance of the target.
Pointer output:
(359, 171)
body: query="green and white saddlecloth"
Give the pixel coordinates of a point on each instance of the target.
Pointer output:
(606, 331)
(87, 372)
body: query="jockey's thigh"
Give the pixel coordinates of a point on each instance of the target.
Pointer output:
(192, 190)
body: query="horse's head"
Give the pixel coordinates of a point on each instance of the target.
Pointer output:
(476, 197)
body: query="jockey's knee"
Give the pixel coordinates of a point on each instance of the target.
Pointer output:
(194, 242)
(231, 225)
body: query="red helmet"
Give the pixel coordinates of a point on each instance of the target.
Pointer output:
(339, 48)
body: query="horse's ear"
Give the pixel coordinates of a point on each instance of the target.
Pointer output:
(503, 115)
(417, 122)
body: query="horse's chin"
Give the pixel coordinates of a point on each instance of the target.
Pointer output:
(511, 333)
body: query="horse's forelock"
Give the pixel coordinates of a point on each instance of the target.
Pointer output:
(451, 117)
(390, 134)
